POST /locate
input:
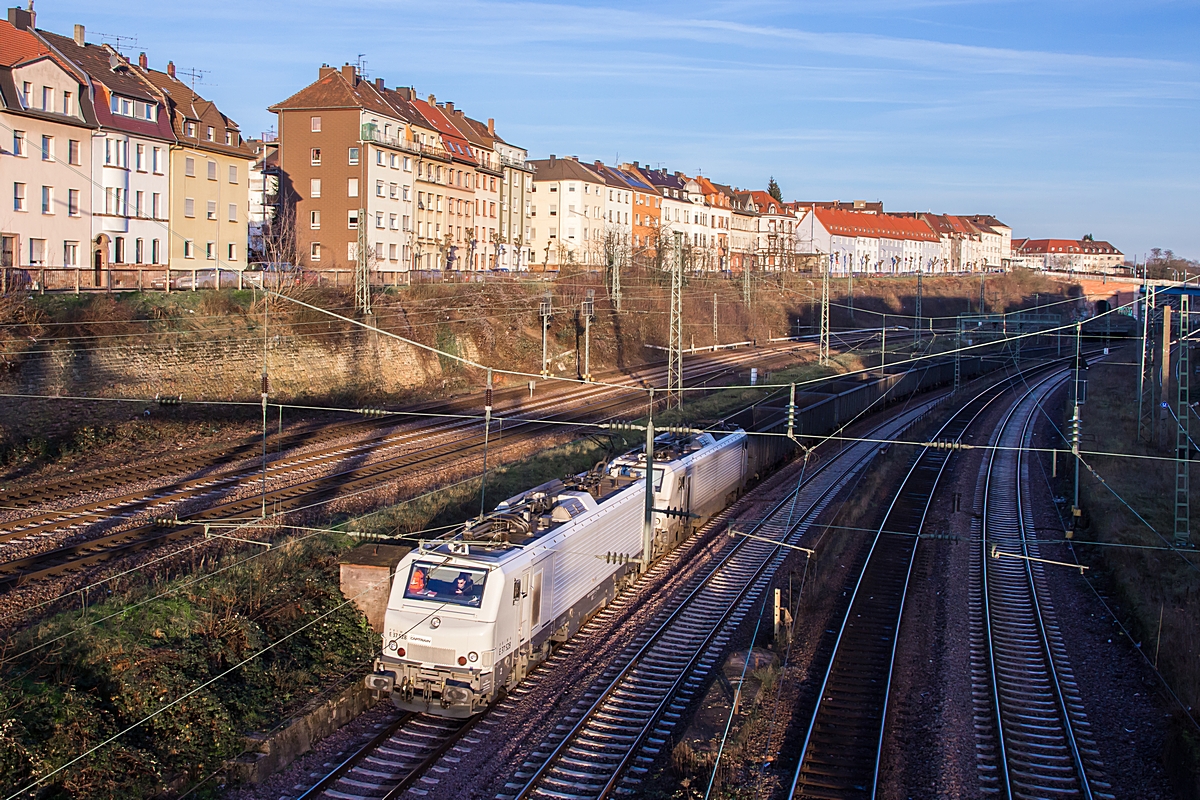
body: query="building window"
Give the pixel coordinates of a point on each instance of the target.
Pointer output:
(233, 212)
(157, 165)
(379, 189)
(18, 197)
(19, 143)
(352, 219)
(119, 250)
(47, 199)
(314, 220)
(233, 178)
(154, 251)
(392, 252)
(315, 156)
(66, 106)
(210, 134)
(73, 202)
(231, 252)
(314, 251)
(47, 148)
(352, 187)
(27, 95)
(378, 219)
(138, 203)
(229, 138)
(211, 210)
(352, 251)
(70, 254)
(189, 167)
(37, 252)
(189, 129)
(353, 156)
(379, 158)
(393, 222)
(155, 200)
(73, 152)
(141, 158)
(210, 249)
(137, 251)
(189, 248)
(315, 123)
(212, 170)
(407, 164)
(314, 187)
(189, 207)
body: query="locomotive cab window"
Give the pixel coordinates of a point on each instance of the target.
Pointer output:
(445, 584)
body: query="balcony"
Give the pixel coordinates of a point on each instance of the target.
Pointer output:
(372, 134)
(518, 163)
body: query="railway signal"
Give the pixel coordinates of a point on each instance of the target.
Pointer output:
(589, 313)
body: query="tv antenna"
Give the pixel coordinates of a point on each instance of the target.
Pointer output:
(196, 75)
(362, 64)
(119, 43)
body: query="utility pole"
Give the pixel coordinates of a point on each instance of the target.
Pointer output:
(716, 341)
(648, 518)
(266, 388)
(958, 340)
(616, 284)
(362, 268)
(823, 351)
(850, 287)
(981, 279)
(883, 346)
(487, 427)
(1164, 375)
(545, 311)
(589, 312)
(746, 280)
(675, 357)
(917, 326)
(1075, 430)
(1146, 372)
(1183, 444)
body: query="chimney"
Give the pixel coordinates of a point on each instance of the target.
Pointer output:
(432, 100)
(349, 72)
(79, 35)
(379, 83)
(491, 127)
(325, 71)
(574, 158)
(404, 92)
(171, 68)
(552, 160)
(450, 107)
(143, 62)
(22, 19)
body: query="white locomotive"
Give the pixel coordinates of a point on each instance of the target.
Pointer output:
(471, 614)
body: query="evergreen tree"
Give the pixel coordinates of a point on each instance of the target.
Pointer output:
(773, 189)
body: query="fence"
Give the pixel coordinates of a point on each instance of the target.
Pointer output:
(81, 280)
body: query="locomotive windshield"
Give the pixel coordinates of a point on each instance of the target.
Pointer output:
(445, 584)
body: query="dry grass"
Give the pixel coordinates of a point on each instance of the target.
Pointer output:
(1143, 582)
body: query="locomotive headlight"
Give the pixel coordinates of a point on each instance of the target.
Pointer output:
(472, 656)
(435, 622)
(393, 644)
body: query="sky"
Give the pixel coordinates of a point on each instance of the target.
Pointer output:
(1059, 118)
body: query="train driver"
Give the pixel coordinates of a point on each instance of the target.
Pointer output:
(464, 587)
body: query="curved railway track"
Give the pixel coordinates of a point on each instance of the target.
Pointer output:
(304, 492)
(1041, 746)
(840, 755)
(609, 740)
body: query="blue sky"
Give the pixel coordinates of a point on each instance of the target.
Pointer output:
(1061, 118)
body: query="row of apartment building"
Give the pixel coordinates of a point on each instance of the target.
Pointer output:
(109, 162)
(113, 163)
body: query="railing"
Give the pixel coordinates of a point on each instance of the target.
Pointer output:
(417, 148)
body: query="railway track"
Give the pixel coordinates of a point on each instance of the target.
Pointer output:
(612, 736)
(302, 493)
(840, 755)
(1038, 744)
(393, 761)
(212, 469)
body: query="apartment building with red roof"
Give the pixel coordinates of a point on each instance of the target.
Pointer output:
(45, 157)
(1069, 255)
(865, 241)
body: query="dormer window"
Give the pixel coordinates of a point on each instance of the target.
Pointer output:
(137, 109)
(210, 134)
(189, 129)
(229, 137)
